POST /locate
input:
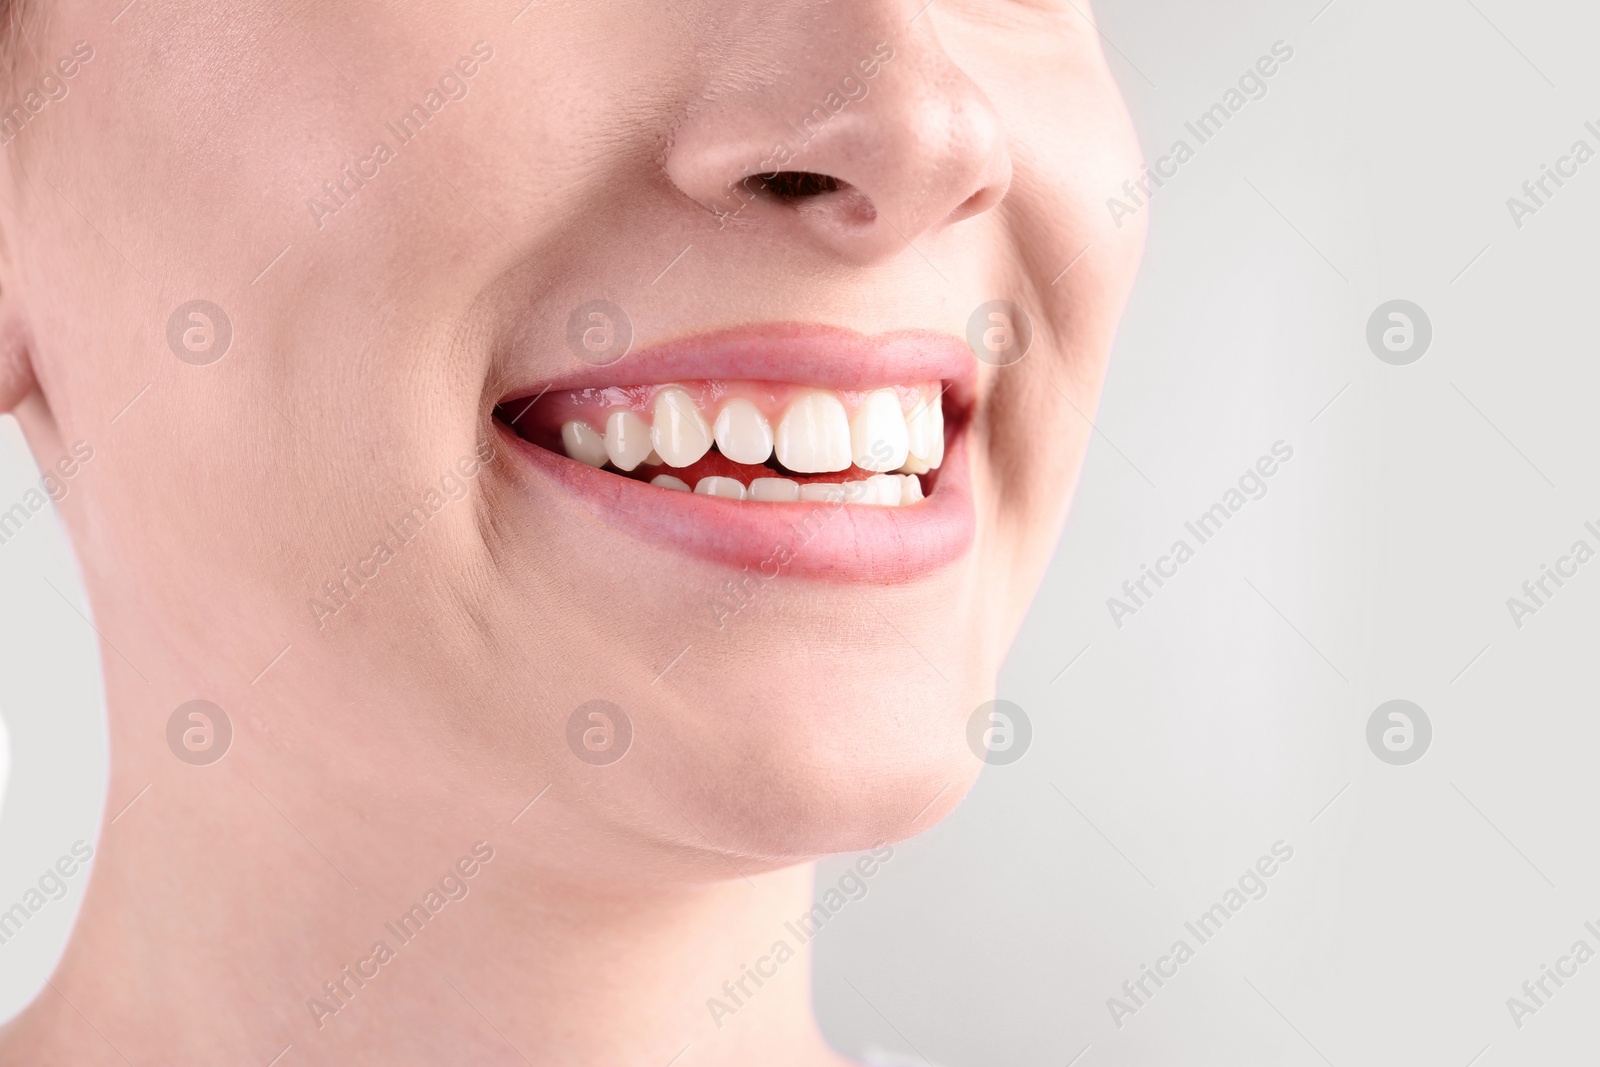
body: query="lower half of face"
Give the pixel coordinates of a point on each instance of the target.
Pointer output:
(685, 422)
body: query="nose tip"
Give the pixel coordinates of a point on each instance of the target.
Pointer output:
(862, 165)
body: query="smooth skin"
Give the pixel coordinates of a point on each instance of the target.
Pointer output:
(373, 748)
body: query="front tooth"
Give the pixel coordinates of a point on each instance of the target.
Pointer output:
(743, 433)
(820, 492)
(910, 489)
(680, 435)
(627, 439)
(814, 435)
(584, 443)
(774, 490)
(859, 491)
(667, 481)
(729, 488)
(886, 489)
(925, 428)
(878, 433)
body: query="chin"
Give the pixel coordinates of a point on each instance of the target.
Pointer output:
(787, 767)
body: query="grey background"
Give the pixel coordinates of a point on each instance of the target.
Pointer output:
(1230, 712)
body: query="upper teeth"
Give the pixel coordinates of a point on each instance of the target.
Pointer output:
(681, 436)
(814, 434)
(743, 433)
(627, 439)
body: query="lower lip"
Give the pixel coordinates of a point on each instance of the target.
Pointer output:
(841, 542)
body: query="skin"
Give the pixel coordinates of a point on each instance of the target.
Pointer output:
(366, 361)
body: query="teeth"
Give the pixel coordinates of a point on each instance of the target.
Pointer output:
(627, 439)
(881, 490)
(915, 466)
(814, 435)
(925, 435)
(886, 489)
(584, 443)
(878, 434)
(775, 490)
(822, 492)
(730, 488)
(680, 435)
(743, 434)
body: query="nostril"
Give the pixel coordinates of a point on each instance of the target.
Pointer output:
(799, 184)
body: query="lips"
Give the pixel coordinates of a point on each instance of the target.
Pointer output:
(785, 448)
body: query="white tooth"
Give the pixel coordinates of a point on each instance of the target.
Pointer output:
(878, 434)
(730, 488)
(584, 443)
(886, 489)
(913, 465)
(926, 431)
(814, 435)
(667, 481)
(627, 439)
(829, 492)
(680, 435)
(776, 490)
(743, 434)
(910, 489)
(858, 491)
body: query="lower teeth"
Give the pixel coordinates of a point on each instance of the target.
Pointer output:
(883, 490)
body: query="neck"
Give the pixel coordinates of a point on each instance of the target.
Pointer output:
(293, 895)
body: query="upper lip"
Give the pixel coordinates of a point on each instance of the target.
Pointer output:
(827, 357)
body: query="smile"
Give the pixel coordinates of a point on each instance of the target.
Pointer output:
(846, 449)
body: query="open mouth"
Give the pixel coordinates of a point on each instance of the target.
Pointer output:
(833, 453)
(763, 442)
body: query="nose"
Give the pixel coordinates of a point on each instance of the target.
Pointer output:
(862, 137)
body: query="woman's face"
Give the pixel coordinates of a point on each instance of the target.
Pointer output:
(412, 226)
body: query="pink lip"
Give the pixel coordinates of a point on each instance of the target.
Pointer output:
(828, 357)
(839, 542)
